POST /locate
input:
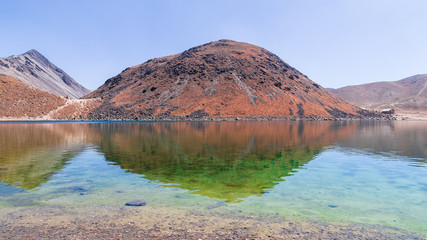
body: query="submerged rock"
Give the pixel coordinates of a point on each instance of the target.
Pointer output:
(79, 188)
(136, 203)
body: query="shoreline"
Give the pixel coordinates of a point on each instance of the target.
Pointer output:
(120, 222)
(399, 116)
(233, 119)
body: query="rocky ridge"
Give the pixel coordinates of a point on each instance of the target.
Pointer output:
(218, 80)
(34, 69)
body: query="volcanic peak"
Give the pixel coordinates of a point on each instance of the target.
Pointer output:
(218, 79)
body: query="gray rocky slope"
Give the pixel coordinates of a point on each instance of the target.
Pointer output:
(37, 71)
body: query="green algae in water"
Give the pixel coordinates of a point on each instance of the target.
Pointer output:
(340, 172)
(211, 169)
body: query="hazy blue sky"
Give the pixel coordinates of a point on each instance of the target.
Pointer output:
(334, 42)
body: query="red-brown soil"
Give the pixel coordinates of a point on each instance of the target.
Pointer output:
(222, 79)
(18, 100)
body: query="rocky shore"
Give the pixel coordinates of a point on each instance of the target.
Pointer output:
(204, 118)
(107, 222)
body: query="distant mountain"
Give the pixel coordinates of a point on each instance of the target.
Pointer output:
(222, 79)
(18, 100)
(406, 94)
(35, 70)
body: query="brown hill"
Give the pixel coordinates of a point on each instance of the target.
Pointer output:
(18, 100)
(222, 79)
(406, 94)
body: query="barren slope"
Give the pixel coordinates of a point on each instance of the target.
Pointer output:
(35, 70)
(406, 94)
(220, 79)
(18, 100)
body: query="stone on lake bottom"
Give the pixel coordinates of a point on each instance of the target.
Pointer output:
(136, 203)
(79, 188)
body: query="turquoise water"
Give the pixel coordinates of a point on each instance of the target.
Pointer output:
(338, 172)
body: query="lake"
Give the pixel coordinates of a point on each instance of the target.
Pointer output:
(354, 175)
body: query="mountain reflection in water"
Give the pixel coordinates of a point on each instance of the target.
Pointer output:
(223, 160)
(404, 138)
(31, 153)
(218, 160)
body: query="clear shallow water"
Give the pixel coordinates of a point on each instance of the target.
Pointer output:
(339, 172)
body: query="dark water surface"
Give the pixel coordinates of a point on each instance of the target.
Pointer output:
(368, 172)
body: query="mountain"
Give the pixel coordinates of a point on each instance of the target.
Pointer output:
(18, 100)
(222, 79)
(21, 101)
(35, 70)
(406, 94)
